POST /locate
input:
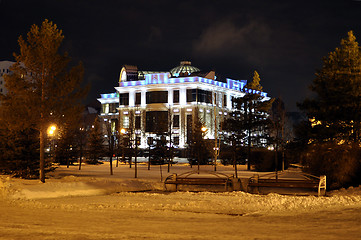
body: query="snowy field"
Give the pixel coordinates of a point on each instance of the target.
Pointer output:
(91, 204)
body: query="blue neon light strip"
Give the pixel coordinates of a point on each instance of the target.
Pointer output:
(109, 95)
(162, 78)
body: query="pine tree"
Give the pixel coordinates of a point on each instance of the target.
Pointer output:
(198, 148)
(336, 109)
(95, 146)
(43, 89)
(250, 116)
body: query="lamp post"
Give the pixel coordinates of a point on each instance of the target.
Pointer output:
(51, 132)
(137, 143)
(81, 133)
(123, 132)
(203, 130)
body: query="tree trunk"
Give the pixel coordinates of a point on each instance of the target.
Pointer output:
(111, 164)
(42, 156)
(135, 161)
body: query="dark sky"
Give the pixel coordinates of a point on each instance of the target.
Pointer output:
(283, 40)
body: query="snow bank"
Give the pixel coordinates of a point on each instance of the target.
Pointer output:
(113, 194)
(71, 186)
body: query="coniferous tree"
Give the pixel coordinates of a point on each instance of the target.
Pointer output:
(42, 88)
(331, 137)
(18, 153)
(198, 149)
(95, 148)
(250, 116)
(336, 108)
(277, 131)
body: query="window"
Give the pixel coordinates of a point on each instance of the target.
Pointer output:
(176, 96)
(176, 141)
(189, 128)
(124, 99)
(105, 108)
(150, 141)
(125, 122)
(157, 97)
(156, 121)
(137, 122)
(138, 98)
(191, 95)
(224, 100)
(113, 108)
(176, 121)
(199, 95)
(114, 125)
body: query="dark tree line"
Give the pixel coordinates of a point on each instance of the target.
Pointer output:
(331, 136)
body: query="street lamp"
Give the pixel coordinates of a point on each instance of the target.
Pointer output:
(51, 132)
(204, 129)
(123, 131)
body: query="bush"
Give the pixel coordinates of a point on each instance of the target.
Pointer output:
(228, 153)
(264, 160)
(340, 163)
(19, 153)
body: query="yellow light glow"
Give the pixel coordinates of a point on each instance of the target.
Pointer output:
(203, 129)
(51, 129)
(122, 131)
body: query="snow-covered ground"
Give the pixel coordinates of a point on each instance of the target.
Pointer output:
(91, 204)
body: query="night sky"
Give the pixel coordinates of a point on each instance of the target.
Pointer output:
(283, 40)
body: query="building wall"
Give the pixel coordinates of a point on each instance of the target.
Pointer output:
(4, 69)
(212, 100)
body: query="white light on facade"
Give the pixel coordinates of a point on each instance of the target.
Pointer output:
(176, 110)
(125, 112)
(189, 109)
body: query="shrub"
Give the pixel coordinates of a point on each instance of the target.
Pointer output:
(340, 163)
(264, 160)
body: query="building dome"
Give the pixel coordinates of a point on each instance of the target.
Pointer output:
(184, 69)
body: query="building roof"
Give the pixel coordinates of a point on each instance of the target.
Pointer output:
(184, 69)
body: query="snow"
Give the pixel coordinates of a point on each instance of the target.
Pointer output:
(91, 204)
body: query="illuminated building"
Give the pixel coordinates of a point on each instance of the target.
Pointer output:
(149, 102)
(4, 69)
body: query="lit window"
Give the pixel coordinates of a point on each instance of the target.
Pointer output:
(106, 108)
(126, 122)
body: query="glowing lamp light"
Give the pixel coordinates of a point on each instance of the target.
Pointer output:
(203, 129)
(51, 130)
(122, 131)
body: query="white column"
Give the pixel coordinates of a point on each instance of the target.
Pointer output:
(182, 96)
(143, 101)
(131, 98)
(229, 101)
(170, 97)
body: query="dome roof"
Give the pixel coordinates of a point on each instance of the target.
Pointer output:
(184, 69)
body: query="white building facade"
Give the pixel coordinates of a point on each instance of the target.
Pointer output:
(150, 102)
(4, 69)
